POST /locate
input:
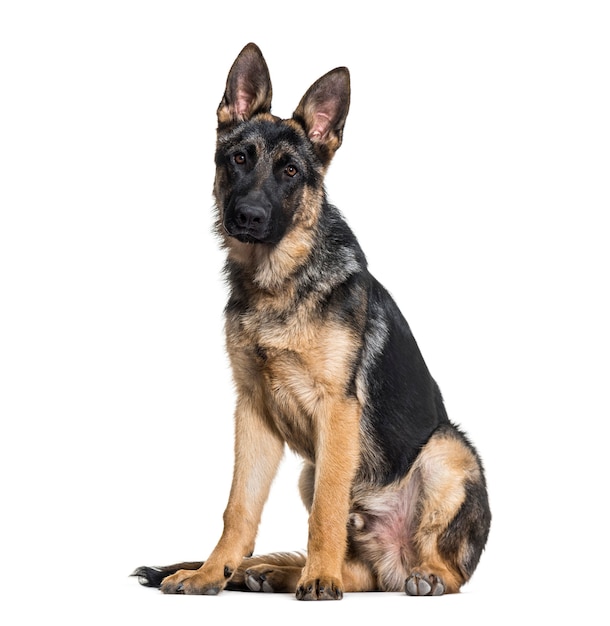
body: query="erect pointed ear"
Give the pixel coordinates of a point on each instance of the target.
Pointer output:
(248, 88)
(322, 112)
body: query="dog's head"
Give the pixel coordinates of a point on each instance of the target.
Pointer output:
(269, 171)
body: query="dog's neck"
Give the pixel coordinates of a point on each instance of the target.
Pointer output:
(269, 268)
(276, 269)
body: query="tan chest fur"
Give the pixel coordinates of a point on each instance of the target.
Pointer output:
(296, 365)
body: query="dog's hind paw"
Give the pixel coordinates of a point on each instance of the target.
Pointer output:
(270, 578)
(424, 585)
(257, 581)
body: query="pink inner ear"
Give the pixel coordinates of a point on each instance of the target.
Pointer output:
(242, 102)
(320, 126)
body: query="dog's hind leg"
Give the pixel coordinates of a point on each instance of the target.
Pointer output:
(452, 518)
(425, 534)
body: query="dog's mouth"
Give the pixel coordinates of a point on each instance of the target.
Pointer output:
(245, 237)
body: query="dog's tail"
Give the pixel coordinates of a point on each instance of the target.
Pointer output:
(253, 574)
(153, 576)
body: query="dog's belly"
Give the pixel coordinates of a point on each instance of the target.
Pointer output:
(381, 528)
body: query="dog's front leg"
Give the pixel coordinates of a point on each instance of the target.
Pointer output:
(337, 458)
(258, 451)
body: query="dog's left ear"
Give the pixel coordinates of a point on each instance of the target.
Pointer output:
(323, 110)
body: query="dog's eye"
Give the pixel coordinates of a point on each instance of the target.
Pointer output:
(239, 158)
(290, 170)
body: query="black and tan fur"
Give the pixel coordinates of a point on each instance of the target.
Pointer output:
(324, 361)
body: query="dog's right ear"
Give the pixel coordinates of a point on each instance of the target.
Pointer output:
(248, 90)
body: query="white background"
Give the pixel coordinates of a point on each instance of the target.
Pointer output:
(475, 172)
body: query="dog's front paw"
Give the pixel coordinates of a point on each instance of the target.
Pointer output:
(320, 589)
(192, 583)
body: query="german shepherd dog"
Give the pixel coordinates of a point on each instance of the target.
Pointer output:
(324, 362)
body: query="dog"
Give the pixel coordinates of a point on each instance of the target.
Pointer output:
(324, 362)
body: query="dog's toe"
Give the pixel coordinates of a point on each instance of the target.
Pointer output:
(419, 584)
(257, 581)
(320, 589)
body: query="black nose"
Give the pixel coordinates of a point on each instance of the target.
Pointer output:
(250, 218)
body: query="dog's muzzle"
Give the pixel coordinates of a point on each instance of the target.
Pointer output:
(249, 219)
